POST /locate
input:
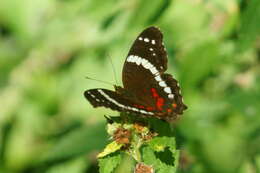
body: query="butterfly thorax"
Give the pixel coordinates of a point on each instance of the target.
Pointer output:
(123, 92)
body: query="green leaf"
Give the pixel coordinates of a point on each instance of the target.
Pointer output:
(161, 154)
(250, 25)
(161, 127)
(160, 143)
(110, 148)
(109, 163)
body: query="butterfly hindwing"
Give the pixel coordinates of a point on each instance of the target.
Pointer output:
(174, 105)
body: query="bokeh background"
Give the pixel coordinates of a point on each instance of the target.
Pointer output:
(48, 47)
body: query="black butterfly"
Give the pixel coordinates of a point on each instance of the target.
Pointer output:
(147, 89)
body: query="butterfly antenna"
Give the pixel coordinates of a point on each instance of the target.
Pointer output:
(113, 67)
(99, 80)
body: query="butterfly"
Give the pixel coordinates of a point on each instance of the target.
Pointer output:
(148, 90)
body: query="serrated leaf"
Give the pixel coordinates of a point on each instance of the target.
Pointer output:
(166, 148)
(109, 163)
(148, 155)
(110, 148)
(160, 143)
(161, 127)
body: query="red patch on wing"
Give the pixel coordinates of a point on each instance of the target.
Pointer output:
(154, 93)
(174, 105)
(159, 103)
(149, 108)
(140, 106)
(145, 108)
(159, 100)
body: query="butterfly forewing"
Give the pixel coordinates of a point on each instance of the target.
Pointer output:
(149, 45)
(146, 57)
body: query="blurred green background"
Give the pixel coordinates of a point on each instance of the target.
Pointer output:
(48, 47)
